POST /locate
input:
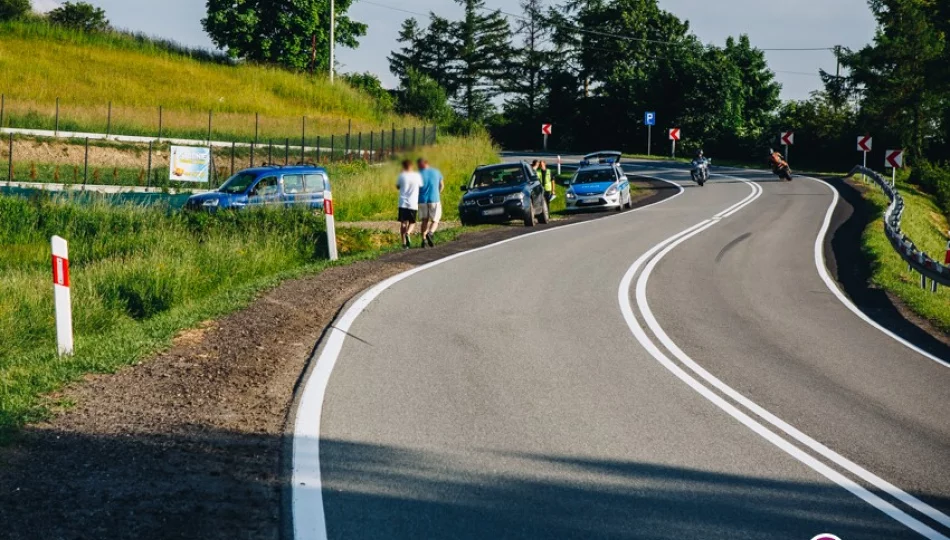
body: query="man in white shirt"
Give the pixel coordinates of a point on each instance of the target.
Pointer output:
(409, 184)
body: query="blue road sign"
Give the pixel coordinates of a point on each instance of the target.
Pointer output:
(649, 119)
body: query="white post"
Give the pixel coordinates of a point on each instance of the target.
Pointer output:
(559, 165)
(64, 310)
(865, 166)
(545, 142)
(893, 176)
(787, 147)
(331, 224)
(674, 148)
(649, 139)
(332, 38)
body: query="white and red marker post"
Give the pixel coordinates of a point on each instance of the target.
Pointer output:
(331, 224)
(64, 309)
(559, 165)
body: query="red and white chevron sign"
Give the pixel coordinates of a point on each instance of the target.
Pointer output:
(546, 129)
(894, 159)
(675, 134)
(864, 143)
(788, 138)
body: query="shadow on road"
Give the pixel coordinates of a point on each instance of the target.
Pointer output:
(374, 491)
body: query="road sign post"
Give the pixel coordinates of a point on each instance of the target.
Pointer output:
(895, 160)
(331, 224)
(675, 136)
(64, 310)
(649, 118)
(545, 131)
(788, 139)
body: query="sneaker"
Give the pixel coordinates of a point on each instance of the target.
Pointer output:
(422, 244)
(407, 245)
(429, 240)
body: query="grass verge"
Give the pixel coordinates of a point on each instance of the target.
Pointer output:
(927, 226)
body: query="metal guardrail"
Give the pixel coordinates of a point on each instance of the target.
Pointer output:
(917, 260)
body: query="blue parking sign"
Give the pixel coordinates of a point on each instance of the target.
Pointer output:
(649, 119)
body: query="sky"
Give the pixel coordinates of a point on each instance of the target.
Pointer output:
(770, 25)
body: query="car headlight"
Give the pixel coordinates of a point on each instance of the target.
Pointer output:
(468, 202)
(612, 191)
(570, 195)
(210, 203)
(514, 197)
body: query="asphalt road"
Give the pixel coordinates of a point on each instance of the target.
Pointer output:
(586, 383)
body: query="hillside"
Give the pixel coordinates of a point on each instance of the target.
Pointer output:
(138, 76)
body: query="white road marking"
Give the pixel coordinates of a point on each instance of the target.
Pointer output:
(306, 484)
(856, 489)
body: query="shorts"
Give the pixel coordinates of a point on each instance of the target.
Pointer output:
(407, 215)
(430, 211)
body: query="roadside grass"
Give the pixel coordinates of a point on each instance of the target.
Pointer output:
(40, 63)
(927, 226)
(139, 275)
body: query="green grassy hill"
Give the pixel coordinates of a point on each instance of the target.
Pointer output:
(40, 63)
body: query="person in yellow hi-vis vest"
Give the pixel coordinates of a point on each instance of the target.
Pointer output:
(547, 181)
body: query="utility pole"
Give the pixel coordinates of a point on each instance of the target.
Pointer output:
(332, 38)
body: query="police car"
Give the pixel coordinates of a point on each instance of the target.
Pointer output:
(603, 185)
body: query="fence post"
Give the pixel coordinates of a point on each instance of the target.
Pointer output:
(319, 146)
(359, 146)
(349, 129)
(148, 180)
(233, 146)
(257, 121)
(159, 123)
(303, 137)
(287, 152)
(270, 151)
(10, 171)
(372, 146)
(85, 170)
(251, 164)
(3, 106)
(392, 141)
(332, 146)
(405, 134)
(210, 113)
(63, 302)
(435, 134)
(56, 125)
(109, 121)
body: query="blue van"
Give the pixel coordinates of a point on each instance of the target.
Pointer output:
(269, 186)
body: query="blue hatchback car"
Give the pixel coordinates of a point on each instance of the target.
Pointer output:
(266, 187)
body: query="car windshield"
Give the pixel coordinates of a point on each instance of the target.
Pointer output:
(237, 183)
(498, 177)
(595, 176)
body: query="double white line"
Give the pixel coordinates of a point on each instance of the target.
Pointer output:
(753, 416)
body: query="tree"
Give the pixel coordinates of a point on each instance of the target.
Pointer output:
(13, 9)
(419, 95)
(81, 16)
(529, 63)
(483, 56)
(280, 31)
(432, 52)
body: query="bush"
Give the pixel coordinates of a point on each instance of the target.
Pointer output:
(13, 9)
(934, 178)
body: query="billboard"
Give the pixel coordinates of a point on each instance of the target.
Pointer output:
(189, 164)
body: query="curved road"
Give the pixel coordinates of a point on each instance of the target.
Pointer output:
(619, 379)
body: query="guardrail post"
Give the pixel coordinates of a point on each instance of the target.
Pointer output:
(61, 294)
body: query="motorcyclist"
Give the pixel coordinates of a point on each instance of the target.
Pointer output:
(776, 160)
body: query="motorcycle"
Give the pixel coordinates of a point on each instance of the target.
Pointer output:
(781, 169)
(700, 170)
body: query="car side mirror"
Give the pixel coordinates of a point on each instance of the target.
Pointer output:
(463, 188)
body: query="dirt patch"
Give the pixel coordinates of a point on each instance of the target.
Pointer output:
(188, 444)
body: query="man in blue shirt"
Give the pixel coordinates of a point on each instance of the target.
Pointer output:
(430, 200)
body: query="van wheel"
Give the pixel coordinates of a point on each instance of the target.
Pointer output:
(529, 218)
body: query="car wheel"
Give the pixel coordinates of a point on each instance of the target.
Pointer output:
(629, 201)
(545, 216)
(529, 218)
